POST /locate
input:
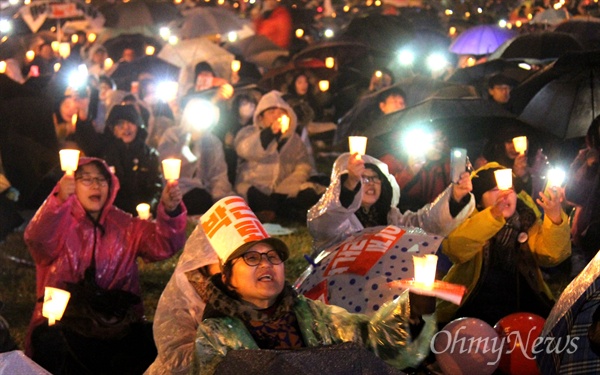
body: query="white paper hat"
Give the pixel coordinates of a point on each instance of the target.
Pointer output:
(232, 228)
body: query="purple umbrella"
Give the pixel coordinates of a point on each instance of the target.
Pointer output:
(481, 40)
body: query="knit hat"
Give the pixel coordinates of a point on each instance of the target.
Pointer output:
(125, 112)
(232, 228)
(484, 180)
(500, 79)
(203, 66)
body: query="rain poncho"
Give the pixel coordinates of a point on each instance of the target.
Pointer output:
(62, 240)
(330, 223)
(202, 161)
(180, 309)
(386, 333)
(271, 171)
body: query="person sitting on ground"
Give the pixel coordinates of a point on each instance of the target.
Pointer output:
(363, 194)
(274, 164)
(79, 237)
(249, 305)
(497, 252)
(135, 163)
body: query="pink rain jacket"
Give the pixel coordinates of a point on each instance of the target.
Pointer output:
(61, 239)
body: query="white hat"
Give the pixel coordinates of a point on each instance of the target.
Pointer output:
(232, 228)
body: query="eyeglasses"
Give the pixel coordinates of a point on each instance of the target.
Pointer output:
(88, 181)
(371, 179)
(253, 258)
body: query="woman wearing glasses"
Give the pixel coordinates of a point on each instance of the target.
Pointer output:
(363, 194)
(78, 231)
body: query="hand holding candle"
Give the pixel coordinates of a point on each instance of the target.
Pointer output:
(171, 169)
(284, 122)
(504, 178)
(69, 160)
(520, 144)
(55, 303)
(324, 85)
(357, 145)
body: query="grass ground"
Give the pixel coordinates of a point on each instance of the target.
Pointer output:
(17, 278)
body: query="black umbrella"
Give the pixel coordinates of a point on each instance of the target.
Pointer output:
(381, 32)
(564, 97)
(257, 49)
(538, 46)
(584, 28)
(366, 110)
(137, 42)
(340, 359)
(125, 73)
(342, 51)
(277, 78)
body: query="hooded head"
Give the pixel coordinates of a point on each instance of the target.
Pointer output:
(92, 177)
(274, 99)
(483, 180)
(128, 113)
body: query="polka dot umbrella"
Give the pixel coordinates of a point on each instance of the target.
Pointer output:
(355, 274)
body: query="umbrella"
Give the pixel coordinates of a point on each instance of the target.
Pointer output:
(481, 40)
(564, 97)
(203, 21)
(571, 319)
(585, 29)
(355, 273)
(16, 362)
(366, 110)
(331, 359)
(276, 79)
(342, 51)
(257, 49)
(137, 42)
(537, 46)
(127, 15)
(382, 33)
(551, 17)
(125, 73)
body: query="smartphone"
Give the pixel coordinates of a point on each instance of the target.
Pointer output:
(458, 163)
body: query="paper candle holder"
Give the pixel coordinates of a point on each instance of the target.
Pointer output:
(357, 145)
(69, 160)
(520, 144)
(55, 303)
(171, 169)
(425, 269)
(143, 210)
(504, 178)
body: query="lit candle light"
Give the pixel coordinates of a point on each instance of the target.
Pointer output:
(143, 210)
(2, 67)
(171, 169)
(285, 123)
(69, 160)
(299, 33)
(108, 63)
(504, 178)
(357, 145)
(74, 38)
(425, 268)
(236, 65)
(54, 46)
(329, 62)
(64, 50)
(92, 37)
(555, 177)
(520, 144)
(29, 55)
(56, 67)
(55, 303)
(324, 85)
(150, 50)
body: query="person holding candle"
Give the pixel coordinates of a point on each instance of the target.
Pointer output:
(249, 305)
(273, 162)
(364, 194)
(78, 231)
(497, 252)
(136, 164)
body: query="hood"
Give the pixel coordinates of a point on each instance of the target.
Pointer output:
(341, 166)
(114, 183)
(274, 99)
(127, 112)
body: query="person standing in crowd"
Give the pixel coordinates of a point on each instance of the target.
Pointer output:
(583, 191)
(363, 194)
(77, 236)
(499, 88)
(497, 252)
(203, 177)
(249, 305)
(274, 164)
(135, 164)
(44, 60)
(274, 21)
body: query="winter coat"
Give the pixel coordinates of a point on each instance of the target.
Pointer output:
(202, 161)
(548, 243)
(180, 309)
(137, 168)
(271, 170)
(330, 223)
(62, 238)
(386, 333)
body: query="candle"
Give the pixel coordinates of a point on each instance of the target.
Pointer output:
(357, 145)
(29, 55)
(64, 50)
(236, 65)
(285, 123)
(171, 169)
(425, 268)
(108, 63)
(299, 33)
(2, 67)
(55, 303)
(91, 37)
(56, 67)
(54, 45)
(74, 38)
(143, 210)
(329, 62)
(520, 144)
(150, 50)
(555, 177)
(504, 178)
(324, 85)
(69, 160)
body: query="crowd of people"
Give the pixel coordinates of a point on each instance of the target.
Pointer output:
(248, 158)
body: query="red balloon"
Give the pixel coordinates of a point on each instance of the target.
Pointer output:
(520, 331)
